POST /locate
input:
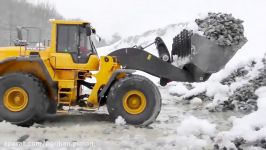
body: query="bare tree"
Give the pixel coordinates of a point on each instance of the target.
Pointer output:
(15, 13)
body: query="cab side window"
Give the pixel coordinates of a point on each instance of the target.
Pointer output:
(67, 38)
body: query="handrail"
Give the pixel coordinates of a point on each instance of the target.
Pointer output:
(54, 68)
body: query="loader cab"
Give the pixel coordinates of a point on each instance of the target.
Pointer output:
(74, 38)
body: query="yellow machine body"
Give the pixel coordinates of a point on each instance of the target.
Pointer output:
(57, 70)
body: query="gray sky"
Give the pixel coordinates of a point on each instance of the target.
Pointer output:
(131, 17)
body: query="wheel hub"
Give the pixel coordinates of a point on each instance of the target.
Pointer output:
(15, 99)
(134, 102)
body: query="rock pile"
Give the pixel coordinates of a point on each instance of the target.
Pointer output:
(240, 72)
(260, 143)
(241, 143)
(244, 98)
(202, 96)
(223, 28)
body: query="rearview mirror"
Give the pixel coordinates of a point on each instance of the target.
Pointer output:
(88, 31)
(93, 30)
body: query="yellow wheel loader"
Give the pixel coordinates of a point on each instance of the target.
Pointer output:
(35, 81)
(41, 80)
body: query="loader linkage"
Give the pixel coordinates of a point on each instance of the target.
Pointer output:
(206, 57)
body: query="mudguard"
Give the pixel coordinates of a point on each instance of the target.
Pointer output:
(31, 65)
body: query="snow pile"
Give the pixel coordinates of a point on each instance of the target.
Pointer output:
(194, 133)
(178, 89)
(195, 126)
(246, 132)
(120, 121)
(242, 91)
(196, 101)
(218, 91)
(206, 91)
(251, 128)
(228, 91)
(191, 143)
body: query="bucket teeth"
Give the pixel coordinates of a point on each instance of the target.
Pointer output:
(182, 44)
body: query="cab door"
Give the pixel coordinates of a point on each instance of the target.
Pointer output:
(67, 44)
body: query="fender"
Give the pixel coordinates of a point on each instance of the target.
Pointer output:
(32, 65)
(113, 78)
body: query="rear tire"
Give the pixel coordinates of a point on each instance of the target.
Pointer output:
(52, 107)
(146, 89)
(37, 101)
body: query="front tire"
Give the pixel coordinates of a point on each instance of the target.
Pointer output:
(136, 99)
(23, 99)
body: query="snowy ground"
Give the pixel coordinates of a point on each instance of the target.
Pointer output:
(176, 126)
(179, 126)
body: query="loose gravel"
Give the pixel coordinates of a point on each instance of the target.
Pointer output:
(223, 28)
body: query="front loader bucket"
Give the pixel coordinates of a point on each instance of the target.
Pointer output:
(208, 58)
(211, 57)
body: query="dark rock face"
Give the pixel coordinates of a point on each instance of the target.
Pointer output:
(241, 143)
(223, 28)
(261, 143)
(244, 98)
(202, 96)
(240, 72)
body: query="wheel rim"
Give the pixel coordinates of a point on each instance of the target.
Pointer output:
(134, 102)
(15, 99)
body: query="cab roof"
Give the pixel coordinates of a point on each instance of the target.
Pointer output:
(68, 22)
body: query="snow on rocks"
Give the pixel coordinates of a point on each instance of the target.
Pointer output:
(218, 91)
(208, 91)
(221, 142)
(252, 127)
(240, 72)
(243, 97)
(235, 91)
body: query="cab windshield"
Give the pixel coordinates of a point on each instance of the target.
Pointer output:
(85, 43)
